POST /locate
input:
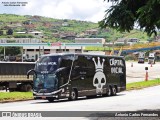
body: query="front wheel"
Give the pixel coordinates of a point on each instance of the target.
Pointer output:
(50, 99)
(74, 95)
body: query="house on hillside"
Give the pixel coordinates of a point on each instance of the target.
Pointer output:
(65, 24)
(133, 40)
(36, 34)
(56, 35)
(68, 35)
(121, 41)
(91, 32)
(157, 38)
(126, 41)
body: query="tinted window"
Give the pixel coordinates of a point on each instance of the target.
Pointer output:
(66, 61)
(48, 64)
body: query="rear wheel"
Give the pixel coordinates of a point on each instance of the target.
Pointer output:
(74, 95)
(114, 91)
(109, 91)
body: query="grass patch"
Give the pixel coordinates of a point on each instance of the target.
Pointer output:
(9, 96)
(142, 84)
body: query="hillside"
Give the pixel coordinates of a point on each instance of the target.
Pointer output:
(60, 30)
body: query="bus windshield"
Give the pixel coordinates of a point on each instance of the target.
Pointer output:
(48, 82)
(47, 64)
(46, 78)
(52, 72)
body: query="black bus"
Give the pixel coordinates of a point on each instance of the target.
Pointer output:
(73, 75)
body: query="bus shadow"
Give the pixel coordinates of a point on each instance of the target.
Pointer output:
(79, 99)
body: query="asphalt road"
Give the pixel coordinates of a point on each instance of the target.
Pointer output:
(137, 72)
(145, 99)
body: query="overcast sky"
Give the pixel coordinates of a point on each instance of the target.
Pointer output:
(88, 10)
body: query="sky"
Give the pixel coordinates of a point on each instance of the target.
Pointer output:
(86, 10)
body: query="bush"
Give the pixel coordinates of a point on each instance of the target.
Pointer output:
(10, 32)
(23, 36)
(1, 32)
(130, 57)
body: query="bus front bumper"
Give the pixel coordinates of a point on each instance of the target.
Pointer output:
(54, 94)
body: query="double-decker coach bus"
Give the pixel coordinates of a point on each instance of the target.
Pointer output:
(73, 75)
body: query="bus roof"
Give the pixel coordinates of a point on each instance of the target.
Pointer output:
(91, 54)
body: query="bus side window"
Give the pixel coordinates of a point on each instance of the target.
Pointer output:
(65, 64)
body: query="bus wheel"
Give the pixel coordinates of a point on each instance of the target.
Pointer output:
(109, 92)
(73, 95)
(114, 91)
(50, 99)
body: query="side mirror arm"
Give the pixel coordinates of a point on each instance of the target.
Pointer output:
(32, 70)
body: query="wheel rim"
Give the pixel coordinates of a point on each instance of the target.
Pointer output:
(114, 91)
(73, 95)
(109, 92)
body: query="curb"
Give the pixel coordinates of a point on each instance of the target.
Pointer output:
(8, 101)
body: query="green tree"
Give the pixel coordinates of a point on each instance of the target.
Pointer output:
(123, 15)
(10, 32)
(10, 50)
(1, 32)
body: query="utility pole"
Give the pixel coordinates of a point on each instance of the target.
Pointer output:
(4, 53)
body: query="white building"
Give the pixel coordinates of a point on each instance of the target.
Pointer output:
(34, 52)
(20, 40)
(90, 40)
(125, 41)
(36, 34)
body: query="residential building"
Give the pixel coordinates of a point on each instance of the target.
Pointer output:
(36, 34)
(127, 41)
(91, 32)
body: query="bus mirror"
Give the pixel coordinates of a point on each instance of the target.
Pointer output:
(28, 73)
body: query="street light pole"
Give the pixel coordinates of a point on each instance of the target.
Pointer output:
(4, 53)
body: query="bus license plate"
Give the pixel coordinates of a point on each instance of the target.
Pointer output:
(43, 97)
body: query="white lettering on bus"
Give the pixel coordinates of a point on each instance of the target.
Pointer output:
(114, 62)
(116, 66)
(47, 63)
(116, 70)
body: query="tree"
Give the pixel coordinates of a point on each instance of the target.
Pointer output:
(1, 32)
(10, 50)
(123, 15)
(10, 32)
